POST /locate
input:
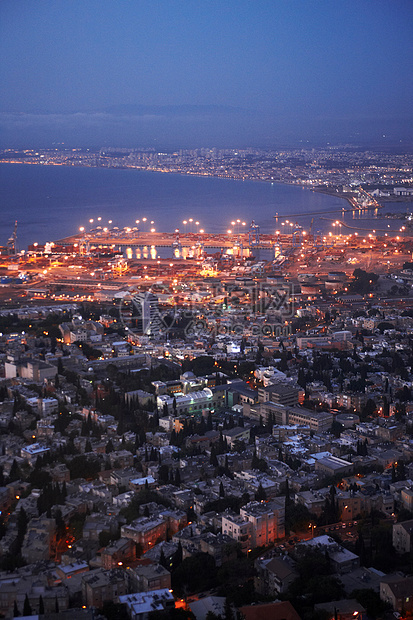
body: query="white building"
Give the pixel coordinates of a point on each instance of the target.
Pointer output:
(194, 402)
(147, 312)
(30, 453)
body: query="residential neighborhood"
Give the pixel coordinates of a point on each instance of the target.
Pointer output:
(248, 471)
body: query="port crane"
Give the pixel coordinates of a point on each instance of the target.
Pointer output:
(12, 241)
(254, 235)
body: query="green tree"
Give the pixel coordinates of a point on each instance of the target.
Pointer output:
(27, 608)
(177, 557)
(163, 561)
(229, 614)
(15, 473)
(194, 574)
(260, 495)
(163, 474)
(371, 601)
(105, 538)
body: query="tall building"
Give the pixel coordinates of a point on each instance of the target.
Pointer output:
(147, 313)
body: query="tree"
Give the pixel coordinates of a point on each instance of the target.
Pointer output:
(212, 616)
(15, 472)
(21, 526)
(163, 474)
(60, 524)
(16, 611)
(255, 461)
(194, 574)
(177, 557)
(105, 538)
(229, 615)
(314, 582)
(363, 281)
(60, 368)
(27, 608)
(336, 428)
(371, 601)
(260, 495)
(163, 561)
(369, 408)
(41, 605)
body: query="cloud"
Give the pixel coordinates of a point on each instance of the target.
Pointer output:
(193, 126)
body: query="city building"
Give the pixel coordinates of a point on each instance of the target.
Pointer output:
(146, 312)
(100, 586)
(274, 576)
(258, 524)
(397, 591)
(140, 605)
(403, 536)
(280, 393)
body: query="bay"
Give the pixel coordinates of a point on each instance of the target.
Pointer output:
(51, 202)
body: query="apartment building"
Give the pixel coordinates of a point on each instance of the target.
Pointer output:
(403, 536)
(267, 520)
(258, 524)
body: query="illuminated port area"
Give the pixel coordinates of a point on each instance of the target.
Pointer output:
(212, 388)
(98, 262)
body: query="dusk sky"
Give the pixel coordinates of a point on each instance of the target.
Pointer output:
(184, 73)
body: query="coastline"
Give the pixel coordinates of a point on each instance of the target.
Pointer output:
(329, 191)
(334, 193)
(274, 208)
(154, 170)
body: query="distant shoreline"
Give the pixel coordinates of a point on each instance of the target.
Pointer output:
(328, 191)
(318, 189)
(332, 192)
